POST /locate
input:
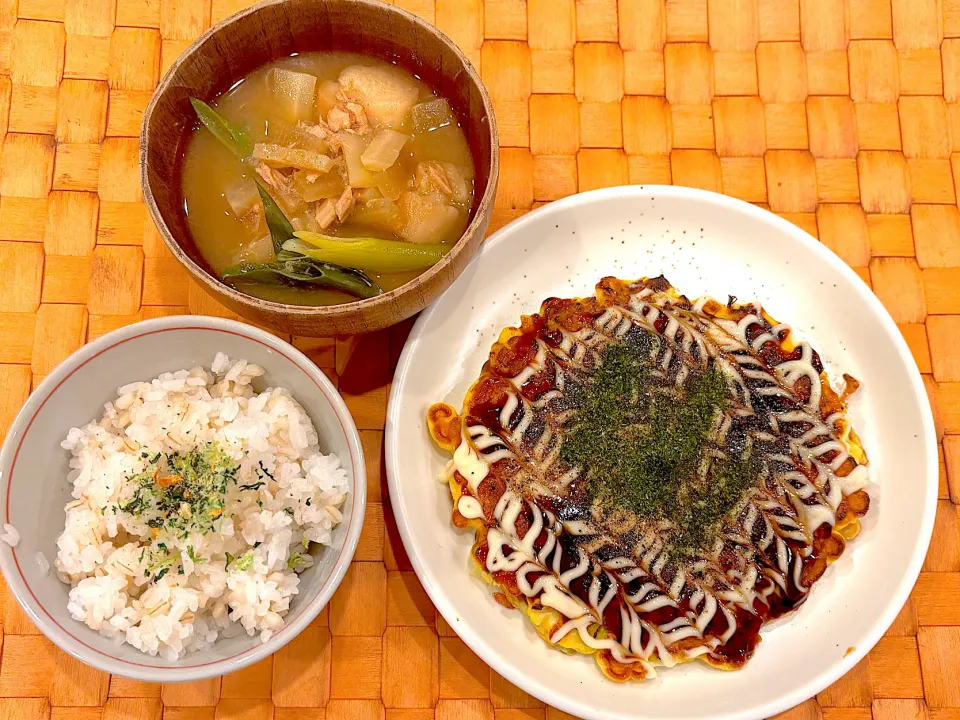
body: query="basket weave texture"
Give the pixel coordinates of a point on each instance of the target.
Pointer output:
(841, 115)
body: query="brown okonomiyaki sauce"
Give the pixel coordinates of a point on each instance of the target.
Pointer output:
(651, 479)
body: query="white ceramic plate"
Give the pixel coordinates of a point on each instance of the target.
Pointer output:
(704, 244)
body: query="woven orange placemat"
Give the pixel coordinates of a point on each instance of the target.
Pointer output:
(841, 115)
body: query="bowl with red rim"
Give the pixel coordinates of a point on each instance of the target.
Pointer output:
(34, 484)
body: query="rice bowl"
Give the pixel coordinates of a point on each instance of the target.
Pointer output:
(149, 589)
(196, 500)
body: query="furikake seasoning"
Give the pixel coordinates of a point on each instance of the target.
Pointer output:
(182, 492)
(642, 442)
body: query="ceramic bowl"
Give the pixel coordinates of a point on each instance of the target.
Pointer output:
(34, 488)
(276, 29)
(705, 244)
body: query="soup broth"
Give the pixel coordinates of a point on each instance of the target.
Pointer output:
(347, 146)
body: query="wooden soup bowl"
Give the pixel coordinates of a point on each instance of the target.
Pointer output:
(275, 29)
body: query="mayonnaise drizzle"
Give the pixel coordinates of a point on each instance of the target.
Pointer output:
(469, 507)
(467, 462)
(801, 490)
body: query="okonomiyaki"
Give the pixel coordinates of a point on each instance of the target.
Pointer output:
(650, 479)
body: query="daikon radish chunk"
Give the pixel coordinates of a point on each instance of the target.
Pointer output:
(427, 218)
(353, 148)
(278, 156)
(462, 189)
(386, 94)
(258, 250)
(306, 220)
(393, 181)
(296, 136)
(367, 194)
(295, 92)
(431, 115)
(446, 144)
(327, 96)
(242, 196)
(381, 215)
(313, 186)
(383, 150)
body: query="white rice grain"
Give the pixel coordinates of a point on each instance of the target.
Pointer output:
(11, 536)
(239, 577)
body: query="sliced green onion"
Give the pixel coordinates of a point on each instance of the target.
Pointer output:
(305, 271)
(371, 254)
(280, 228)
(233, 136)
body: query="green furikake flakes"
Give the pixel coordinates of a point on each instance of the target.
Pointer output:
(642, 441)
(183, 492)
